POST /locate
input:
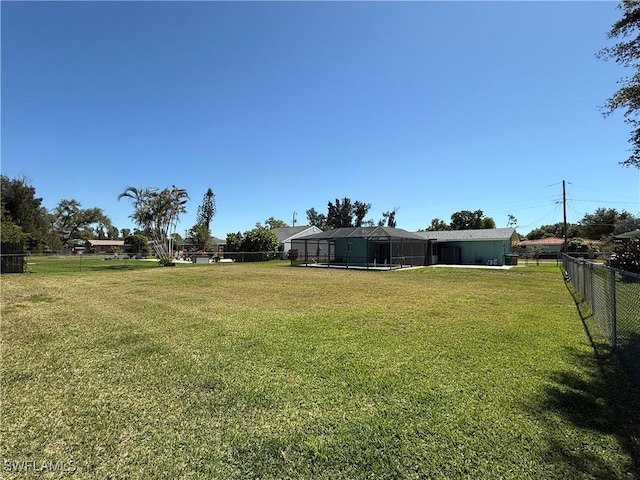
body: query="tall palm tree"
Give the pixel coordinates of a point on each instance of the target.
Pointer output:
(157, 212)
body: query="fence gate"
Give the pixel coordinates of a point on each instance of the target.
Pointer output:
(12, 258)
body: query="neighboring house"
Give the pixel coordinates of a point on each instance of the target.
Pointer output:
(217, 244)
(105, 246)
(369, 247)
(628, 235)
(492, 246)
(542, 245)
(287, 234)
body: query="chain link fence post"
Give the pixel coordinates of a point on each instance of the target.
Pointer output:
(614, 327)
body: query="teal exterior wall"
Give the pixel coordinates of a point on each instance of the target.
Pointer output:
(357, 252)
(479, 252)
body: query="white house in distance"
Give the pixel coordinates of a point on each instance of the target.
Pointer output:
(286, 234)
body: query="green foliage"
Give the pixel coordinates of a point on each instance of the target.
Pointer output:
(627, 256)
(201, 236)
(468, 220)
(234, 242)
(272, 223)
(207, 209)
(438, 225)
(554, 231)
(157, 212)
(71, 222)
(578, 245)
(259, 239)
(360, 210)
(389, 218)
(22, 208)
(317, 219)
(137, 243)
(627, 54)
(342, 213)
(603, 222)
(10, 232)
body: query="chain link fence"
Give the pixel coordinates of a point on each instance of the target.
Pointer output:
(614, 299)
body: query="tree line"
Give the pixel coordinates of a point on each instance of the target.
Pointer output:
(156, 213)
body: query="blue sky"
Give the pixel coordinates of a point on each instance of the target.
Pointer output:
(431, 107)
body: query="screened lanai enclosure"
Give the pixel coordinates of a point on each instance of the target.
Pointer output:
(381, 248)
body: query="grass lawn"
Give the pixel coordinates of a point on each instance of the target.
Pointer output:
(268, 371)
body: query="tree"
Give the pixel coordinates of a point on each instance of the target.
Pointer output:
(389, 218)
(627, 257)
(24, 210)
(157, 212)
(137, 243)
(341, 214)
(468, 220)
(627, 53)
(207, 209)
(272, 223)
(9, 231)
(511, 221)
(555, 230)
(234, 242)
(317, 219)
(71, 222)
(200, 236)
(260, 239)
(438, 225)
(360, 210)
(602, 222)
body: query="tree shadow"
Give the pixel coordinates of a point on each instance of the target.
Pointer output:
(599, 396)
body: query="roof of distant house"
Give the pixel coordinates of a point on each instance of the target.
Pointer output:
(484, 234)
(628, 235)
(105, 243)
(542, 241)
(287, 232)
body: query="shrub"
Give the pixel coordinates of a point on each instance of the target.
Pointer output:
(626, 257)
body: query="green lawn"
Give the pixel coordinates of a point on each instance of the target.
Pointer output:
(267, 371)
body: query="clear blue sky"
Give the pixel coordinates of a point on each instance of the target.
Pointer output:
(432, 107)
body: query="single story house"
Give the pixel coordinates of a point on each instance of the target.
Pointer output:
(287, 234)
(105, 246)
(542, 245)
(217, 244)
(633, 235)
(492, 246)
(362, 247)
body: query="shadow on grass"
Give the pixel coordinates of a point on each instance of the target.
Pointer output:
(110, 267)
(597, 396)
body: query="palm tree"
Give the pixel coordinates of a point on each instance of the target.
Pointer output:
(157, 212)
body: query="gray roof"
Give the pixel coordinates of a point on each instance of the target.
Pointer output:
(486, 234)
(284, 233)
(370, 233)
(628, 235)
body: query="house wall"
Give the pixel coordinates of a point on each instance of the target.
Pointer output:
(356, 253)
(479, 251)
(287, 242)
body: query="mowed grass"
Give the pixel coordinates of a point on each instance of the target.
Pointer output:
(269, 371)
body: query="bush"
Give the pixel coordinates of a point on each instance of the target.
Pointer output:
(626, 257)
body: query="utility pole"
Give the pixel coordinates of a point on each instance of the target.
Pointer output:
(293, 223)
(564, 210)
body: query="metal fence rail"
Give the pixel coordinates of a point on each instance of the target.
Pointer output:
(614, 299)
